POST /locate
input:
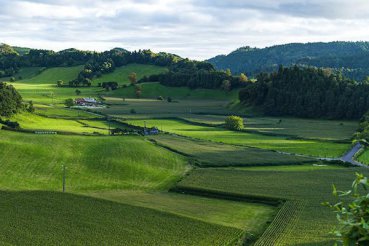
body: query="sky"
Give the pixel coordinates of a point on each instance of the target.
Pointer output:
(197, 29)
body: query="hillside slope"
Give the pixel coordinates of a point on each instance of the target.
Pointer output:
(351, 56)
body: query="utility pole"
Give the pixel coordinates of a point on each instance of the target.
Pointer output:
(64, 174)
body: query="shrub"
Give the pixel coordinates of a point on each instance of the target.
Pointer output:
(132, 111)
(160, 98)
(69, 102)
(353, 218)
(12, 79)
(169, 99)
(234, 123)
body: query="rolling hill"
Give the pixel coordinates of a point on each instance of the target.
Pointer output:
(351, 57)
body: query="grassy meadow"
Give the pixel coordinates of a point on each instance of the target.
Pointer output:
(121, 74)
(33, 162)
(212, 154)
(154, 90)
(221, 135)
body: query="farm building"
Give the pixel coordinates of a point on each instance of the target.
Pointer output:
(86, 101)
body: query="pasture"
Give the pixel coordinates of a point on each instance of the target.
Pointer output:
(221, 135)
(33, 162)
(154, 90)
(121, 74)
(35, 122)
(213, 154)
(307, 222)
(52, 75)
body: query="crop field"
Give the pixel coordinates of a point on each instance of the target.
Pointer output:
(303, 128)
(48, 218)
(216, 134)
(216, 154)
(245, 216)
(121, 74)
(311, 222)
(156, 108)
(154, 90)
(33, 162)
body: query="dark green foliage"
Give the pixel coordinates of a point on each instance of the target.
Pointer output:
(30, 108)
(169, 99)
(353, 217)
(350, 57)
(69, 102)
(308, 92)
(10, 100)
(234, 123)
(110, 85)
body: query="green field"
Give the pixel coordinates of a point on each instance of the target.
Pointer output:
(24, 73)
(154, 90)
(47, 218)
(215, 154)
(306, 147)
(306, 221)
(364, 157)
(34, 122)
(62, 112)
(52, 75)
(33, 162)
(245, 216)
(303, 128)
(155, 108)
(121, 74)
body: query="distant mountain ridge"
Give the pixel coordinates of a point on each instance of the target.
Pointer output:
(352, 58)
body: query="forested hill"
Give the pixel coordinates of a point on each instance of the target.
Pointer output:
(307, 92)
(350, 57)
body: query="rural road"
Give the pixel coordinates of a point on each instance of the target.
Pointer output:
(349, 156)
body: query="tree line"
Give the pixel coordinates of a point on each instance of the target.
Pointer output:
(307, 92)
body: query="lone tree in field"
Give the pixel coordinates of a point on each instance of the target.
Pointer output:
(59, 83)
(10, 100)
(78, 92)
(243, 78)
(234, 123)
(352, 213)
(69, 102)
(133, 78)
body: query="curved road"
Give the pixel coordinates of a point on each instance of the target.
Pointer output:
(349, 156)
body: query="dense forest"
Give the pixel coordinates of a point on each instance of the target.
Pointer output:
(307, 92)
(351, 58)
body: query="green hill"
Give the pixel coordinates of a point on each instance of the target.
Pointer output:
(120, 74)
(351, 56)
(154, 90)
(51, 75)
(33, 162)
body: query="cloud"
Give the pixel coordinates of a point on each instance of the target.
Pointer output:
(196, 29)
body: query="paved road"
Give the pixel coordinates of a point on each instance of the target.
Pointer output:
(349, 156)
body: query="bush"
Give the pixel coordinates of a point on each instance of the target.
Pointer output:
(69, 102)
(234, 123)
(169, 99)
(133, 111)
(160, 98)
(353, 218)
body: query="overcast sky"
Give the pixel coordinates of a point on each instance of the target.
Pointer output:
(197, 29)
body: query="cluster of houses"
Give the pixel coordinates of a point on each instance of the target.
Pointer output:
(88, 101)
